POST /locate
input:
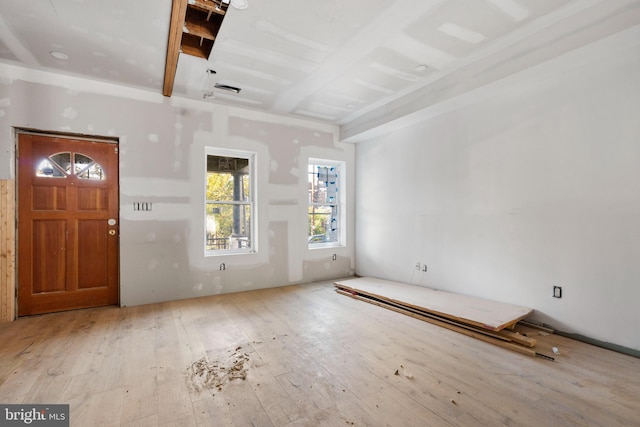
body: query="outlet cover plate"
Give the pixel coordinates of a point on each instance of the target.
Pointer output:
(557, 291)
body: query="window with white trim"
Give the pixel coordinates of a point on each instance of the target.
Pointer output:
(325, 214)
(230, 202)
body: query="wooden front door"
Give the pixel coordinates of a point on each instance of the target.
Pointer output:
(67, 223)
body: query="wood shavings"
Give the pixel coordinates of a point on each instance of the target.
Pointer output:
(205, 374)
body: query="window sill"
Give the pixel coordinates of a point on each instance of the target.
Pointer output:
(325, 246)
(209, 254)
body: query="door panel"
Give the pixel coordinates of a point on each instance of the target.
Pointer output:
(67, 251)
(92, 199)
(92, 239)
(49, 256)
(49, 198)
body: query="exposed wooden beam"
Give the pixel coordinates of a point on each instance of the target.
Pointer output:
(196, 46)
(196, 23)
(210, 6)
(178, 12)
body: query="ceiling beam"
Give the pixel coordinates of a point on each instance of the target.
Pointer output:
(210, 6)
(178, 12)
(16, 47)
(199, 25)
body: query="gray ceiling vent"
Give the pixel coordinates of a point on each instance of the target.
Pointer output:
(227, 88)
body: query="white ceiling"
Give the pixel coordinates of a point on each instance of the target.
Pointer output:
(351, 62)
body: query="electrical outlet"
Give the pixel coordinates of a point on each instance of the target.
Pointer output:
(142, 206)
(424, 268)
(557, 291)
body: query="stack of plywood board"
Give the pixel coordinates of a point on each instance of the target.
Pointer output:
(487, 320)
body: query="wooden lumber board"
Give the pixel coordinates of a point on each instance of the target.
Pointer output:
(475, 311)
(519, 338)
(503, 335)
(7, 251)
(536, 326)
(505, 344)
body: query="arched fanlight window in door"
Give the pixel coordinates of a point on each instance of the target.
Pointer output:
(59, 166)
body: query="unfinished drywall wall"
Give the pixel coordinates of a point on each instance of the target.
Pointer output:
(519, 186)
(162, 161)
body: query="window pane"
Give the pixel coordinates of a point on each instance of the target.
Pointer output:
(229, 203)
(85, 167)
(47, 169)
(63, 160)
(228, 226)
(57, 166)
(222, 187)
(323, 224)
(323, 184)
(228, 179)
(317, 188)
(92, 172)
(80, 161)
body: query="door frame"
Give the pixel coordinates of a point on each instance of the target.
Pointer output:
(84, 137)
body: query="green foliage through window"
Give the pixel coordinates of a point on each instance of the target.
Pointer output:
(229, 203)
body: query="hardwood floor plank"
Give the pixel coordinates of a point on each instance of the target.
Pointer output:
(316, 358)
(141, 397)
(244, 406)
(98, 409)
(212, 411)
(150, 421)
(275, 400)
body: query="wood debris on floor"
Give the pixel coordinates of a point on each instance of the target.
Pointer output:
(204, 374)
(486, 320)
(402, 370)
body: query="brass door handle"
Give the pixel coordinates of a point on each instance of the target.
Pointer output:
(112, 232)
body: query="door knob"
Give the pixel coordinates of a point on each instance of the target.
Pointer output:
(112, 232)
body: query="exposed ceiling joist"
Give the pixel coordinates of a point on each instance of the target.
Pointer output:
(178, 11)
(364, 65)
(192, 31)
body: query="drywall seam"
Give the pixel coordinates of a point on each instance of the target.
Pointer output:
(15, 46)
(492, 48)
(78, 84)
(607, 47)
(280, 119)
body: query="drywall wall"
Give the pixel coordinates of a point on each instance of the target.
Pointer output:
(162, 160)
(504, 192)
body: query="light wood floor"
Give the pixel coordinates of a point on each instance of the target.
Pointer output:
(316, 358)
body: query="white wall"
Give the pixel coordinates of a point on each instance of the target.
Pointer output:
(516, 187)
(162, 149)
